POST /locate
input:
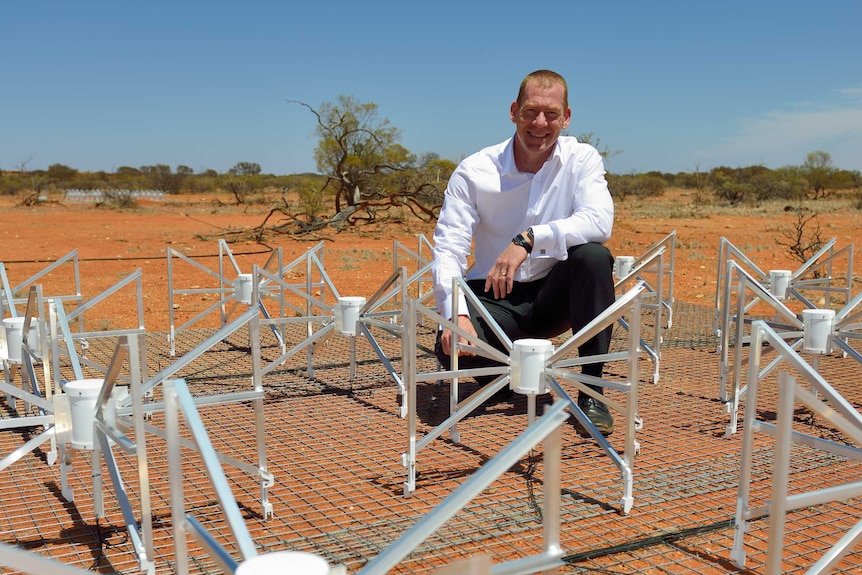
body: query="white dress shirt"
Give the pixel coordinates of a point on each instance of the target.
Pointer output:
(488, 201)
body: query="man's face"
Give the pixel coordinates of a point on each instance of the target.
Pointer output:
(539, 119)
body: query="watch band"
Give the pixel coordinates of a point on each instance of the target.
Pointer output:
(520, 241)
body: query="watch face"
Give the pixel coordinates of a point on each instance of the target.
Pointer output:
(520, 241)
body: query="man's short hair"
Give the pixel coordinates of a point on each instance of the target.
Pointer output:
(545, 79)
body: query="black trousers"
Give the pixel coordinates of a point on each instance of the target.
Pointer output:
(575, 291)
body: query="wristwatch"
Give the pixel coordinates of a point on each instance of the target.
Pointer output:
(519, 240)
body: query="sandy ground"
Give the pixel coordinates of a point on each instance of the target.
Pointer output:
(112, 244)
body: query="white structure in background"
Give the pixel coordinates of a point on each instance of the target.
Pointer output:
(310, 299)
(227, 290)
(827, 273)
(824, 401)
(93, 196)
(742, 291)
(655, 270)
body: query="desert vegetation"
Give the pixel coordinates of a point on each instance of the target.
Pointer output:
(365, 176)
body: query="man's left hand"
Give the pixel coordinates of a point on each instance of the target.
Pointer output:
(500, 277)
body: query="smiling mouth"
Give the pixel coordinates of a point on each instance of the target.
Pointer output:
(538, 136)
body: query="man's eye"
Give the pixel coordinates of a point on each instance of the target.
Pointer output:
(532, 114)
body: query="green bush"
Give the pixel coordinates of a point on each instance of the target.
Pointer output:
(756, 184)
(733, 192)
(637, 185)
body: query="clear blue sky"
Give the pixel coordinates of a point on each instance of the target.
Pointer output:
(676, 85)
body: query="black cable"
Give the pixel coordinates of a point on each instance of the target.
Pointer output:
(529, 476)
(648, 542)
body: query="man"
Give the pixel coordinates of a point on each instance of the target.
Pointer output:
(538, 209)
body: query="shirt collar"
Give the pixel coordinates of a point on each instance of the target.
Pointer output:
(507, 159)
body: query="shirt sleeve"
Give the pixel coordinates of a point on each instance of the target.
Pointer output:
(452, 241)
(592, 211)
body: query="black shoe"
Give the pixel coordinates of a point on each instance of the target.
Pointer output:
(598, 413)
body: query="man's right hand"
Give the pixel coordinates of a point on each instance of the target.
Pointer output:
(446, 337)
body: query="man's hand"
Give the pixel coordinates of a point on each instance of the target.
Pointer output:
(446, 337)
(500, 277)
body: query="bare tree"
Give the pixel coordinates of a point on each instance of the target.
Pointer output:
(803, 238)
(596, 142)
(22, 165)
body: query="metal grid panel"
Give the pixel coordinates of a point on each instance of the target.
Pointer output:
(334, 447)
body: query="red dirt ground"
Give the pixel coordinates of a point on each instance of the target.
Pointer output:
(113, 243)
